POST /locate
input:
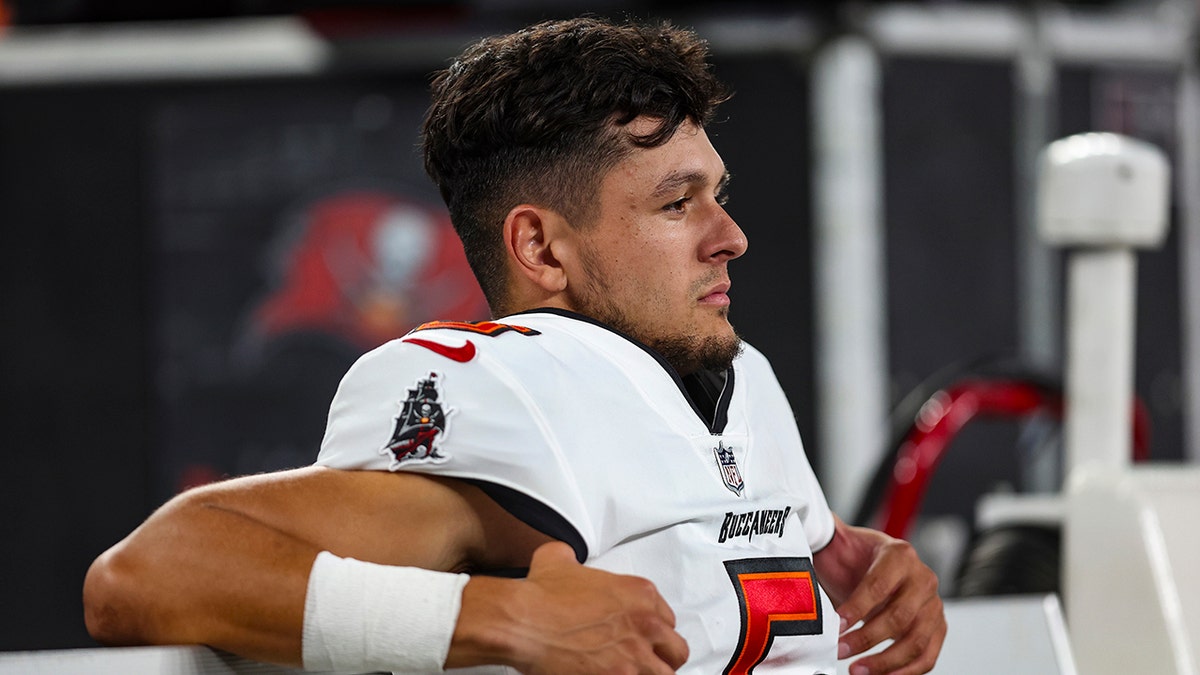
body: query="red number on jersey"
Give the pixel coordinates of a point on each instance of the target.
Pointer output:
(778, 596)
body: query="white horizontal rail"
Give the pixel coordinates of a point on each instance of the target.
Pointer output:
(183, 49)
(144, 660)
(1002, 32)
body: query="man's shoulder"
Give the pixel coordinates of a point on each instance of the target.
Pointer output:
(512, 351)
(477, 328)
(450, 341)
(754, 370)
(516, 336)
(751, 358)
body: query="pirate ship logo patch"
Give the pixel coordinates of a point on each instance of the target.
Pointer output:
(421, 425)
(727, 463)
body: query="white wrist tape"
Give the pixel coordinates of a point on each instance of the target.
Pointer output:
(359, 616)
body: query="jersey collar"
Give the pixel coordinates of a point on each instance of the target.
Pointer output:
(714, 420)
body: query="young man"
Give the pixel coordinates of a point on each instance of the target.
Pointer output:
(611, 417)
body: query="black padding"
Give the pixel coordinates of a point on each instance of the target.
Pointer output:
(1012, 560)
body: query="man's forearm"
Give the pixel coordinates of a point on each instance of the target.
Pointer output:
(196, 573)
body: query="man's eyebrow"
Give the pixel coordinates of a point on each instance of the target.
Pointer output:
(672, 182)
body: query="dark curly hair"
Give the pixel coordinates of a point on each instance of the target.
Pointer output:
(539, 116)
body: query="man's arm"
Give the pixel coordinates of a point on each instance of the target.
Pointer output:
(880, 580)
(227, 565)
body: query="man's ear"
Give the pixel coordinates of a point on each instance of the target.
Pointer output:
(534, 236)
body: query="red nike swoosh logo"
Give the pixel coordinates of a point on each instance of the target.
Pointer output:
(461, 354)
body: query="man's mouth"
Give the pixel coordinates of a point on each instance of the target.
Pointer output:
(717, 295)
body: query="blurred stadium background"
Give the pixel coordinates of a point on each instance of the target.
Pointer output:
(208, 209)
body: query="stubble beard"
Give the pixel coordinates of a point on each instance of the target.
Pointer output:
(686, 353)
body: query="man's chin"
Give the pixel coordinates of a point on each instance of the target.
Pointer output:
(690, 353)
(718, 354)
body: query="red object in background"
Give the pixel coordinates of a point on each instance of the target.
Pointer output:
(369, 267)
(195, 475)
(5, 15)
(945, 414)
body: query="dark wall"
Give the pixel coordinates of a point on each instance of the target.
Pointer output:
(75, 402)
(949, 211)
(948, 175)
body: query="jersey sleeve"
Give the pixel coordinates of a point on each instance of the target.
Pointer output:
(403, 407)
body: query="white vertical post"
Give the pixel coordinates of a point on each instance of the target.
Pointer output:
(851, 350)
(1099, 378)
(1101, 195)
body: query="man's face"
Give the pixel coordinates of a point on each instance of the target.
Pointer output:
(653, 264)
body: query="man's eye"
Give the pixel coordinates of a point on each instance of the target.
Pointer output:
(678, 205)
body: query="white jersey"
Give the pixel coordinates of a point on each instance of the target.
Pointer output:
(590, 437)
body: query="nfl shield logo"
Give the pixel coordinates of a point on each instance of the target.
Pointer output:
(729, 468)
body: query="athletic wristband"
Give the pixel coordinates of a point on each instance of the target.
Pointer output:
(359, 616)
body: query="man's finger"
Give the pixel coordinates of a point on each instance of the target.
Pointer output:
(893, 619)
(664, 611)
(876, 587)
(667, 644)
(554, 552)
(914, 653)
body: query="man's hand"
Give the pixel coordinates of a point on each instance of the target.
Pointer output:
(567, 618)
(880, 581)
